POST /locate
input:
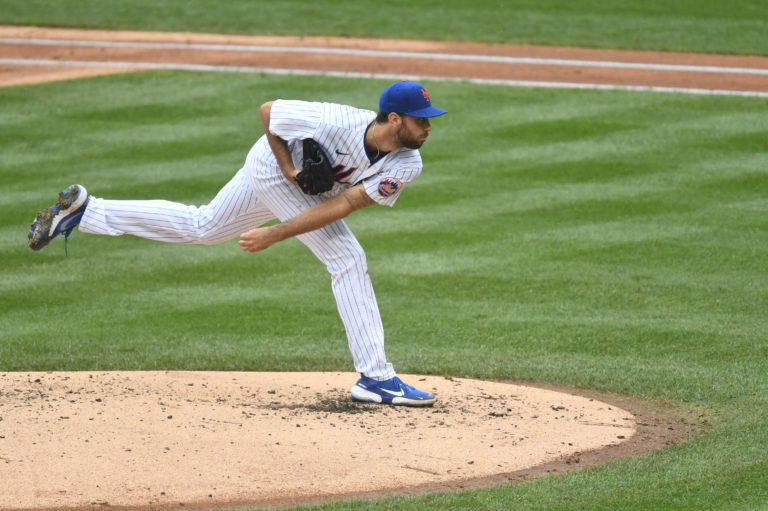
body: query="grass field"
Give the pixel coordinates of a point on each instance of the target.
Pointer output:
(737, 26)
(610, 240)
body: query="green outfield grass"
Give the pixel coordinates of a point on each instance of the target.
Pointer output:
(610, 240)
(736, 26)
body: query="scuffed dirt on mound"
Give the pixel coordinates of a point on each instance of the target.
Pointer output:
(186, 439)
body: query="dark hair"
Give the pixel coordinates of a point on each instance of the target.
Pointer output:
(382, 117)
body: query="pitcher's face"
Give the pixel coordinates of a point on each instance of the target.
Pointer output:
(413, 131)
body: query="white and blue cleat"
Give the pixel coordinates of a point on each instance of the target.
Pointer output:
(392, 391)
(60, 218)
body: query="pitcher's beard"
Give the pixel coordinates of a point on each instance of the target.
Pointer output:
(405, 140)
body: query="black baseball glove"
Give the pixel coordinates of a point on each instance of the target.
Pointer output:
(316, 174)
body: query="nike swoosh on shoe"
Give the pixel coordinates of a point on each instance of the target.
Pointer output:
(398, 394)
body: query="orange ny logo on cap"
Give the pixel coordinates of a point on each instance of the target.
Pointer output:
(425, 94)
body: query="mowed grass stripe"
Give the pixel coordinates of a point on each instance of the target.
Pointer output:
(684, 25)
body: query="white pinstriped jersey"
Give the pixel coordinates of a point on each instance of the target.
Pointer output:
(340, 130)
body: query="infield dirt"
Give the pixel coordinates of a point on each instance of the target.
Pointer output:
(55, 53)
(215, 439)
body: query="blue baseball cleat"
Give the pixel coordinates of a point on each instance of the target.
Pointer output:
(392, 391)
(60, 218)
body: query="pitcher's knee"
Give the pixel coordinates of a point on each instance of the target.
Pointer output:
(207, 231)
(211, 237)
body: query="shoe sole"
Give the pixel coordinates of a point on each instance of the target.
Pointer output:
(366, 396)
(58, 218)
(38, 234)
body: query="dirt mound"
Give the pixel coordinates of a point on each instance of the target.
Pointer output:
(80, 439)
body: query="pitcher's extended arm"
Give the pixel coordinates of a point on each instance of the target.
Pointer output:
(317, 216)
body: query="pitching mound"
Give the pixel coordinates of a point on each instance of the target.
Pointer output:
(208, 439)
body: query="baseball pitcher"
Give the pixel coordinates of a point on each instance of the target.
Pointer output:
(315, 164)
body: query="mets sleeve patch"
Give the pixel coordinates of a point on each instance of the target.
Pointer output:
(389, 186)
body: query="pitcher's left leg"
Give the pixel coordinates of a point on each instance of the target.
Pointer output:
(336, 246)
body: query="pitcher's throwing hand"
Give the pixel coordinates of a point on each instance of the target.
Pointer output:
(258, 239)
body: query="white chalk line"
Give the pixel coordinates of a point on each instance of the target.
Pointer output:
(387, 54)
(346, 74)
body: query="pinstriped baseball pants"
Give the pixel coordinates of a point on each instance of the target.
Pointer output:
(249, 200)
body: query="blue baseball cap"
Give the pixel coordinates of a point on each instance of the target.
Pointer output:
(409, 98)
